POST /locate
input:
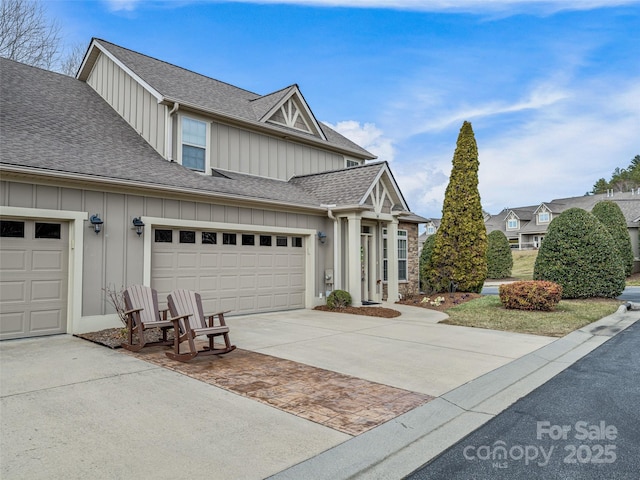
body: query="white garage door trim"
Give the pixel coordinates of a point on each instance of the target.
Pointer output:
(307, 234)
(75, 249)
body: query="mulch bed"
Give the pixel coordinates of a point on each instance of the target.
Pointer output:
(113, 337)
(450, 300)
(368, 311)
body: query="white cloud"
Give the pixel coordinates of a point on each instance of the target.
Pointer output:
(122, 5)
(368, 136)
(458, 6)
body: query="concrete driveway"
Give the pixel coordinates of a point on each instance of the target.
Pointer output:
(72, 409)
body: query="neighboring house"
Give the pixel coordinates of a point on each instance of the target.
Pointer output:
(431, 227)
(138, 171)
(525, 227)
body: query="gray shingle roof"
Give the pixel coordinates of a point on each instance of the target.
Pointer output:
(184, 86)
(344, 187)
(58, 125)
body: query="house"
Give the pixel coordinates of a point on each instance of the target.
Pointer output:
(139, 171)
(525, 227)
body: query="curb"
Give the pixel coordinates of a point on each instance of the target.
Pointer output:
(402, 445)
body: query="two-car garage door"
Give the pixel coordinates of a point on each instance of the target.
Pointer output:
(239, 271)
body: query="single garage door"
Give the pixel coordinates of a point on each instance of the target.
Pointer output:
(237, 271)
(33, 277)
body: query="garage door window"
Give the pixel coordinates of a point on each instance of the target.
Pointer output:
(281, 241)
(248, 239)
(209, 238)
(164, 236)
(229, 238)
(11, 229)
(296, 241)
(187, 236)
(265, 240)
(48, 230)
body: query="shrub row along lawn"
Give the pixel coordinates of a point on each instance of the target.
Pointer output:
(570, 315)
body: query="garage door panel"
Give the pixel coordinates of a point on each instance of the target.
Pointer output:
(296, 299)
(296, 261)
(46, 260)
(296, 281)
(187, 260)
(248, 281)
(229, 282)
(163, 260)
(281, 260)
(265, 261)
(281, 280)
(13, 291)
(44, 321)
(229, 260)
(208, 260)
(265, 302)
(248, 260)
(265, 281)
(12, 260)
(187, 283)
(45, 290)
(14, 324)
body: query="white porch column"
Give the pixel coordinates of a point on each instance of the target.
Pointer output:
(374, 272)
(337, 254)
(392, 261)
(354, 286)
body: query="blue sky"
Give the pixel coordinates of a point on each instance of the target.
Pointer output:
(552, 88)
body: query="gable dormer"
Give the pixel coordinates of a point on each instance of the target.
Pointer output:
(288, 108)
(513, 222)
(543, 215)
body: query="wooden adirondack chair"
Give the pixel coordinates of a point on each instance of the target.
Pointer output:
(189, 320)
(141, 304)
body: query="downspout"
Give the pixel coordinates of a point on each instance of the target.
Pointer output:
(172, 112)
(335, 246)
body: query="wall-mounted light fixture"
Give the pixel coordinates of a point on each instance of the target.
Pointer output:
(322, 237)
(96, 223)
(138, 224)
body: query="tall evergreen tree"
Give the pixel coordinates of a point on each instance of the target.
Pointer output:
(459, 252)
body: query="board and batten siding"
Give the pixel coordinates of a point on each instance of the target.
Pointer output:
(134, 103)
(243, 151)
(114, 257)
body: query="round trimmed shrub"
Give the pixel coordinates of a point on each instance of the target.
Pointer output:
(499, 258)
(611, 216)
(579, 254)
(530, 295)
(338, 299)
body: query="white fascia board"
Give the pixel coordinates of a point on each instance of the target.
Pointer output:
(385, 170)
(159, 97)
(295, 92)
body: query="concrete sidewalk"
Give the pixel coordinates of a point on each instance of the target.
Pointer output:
(72, 409)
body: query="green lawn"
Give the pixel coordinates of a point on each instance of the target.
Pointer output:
(570, 315)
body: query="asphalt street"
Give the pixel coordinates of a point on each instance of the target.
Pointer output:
(582, 424)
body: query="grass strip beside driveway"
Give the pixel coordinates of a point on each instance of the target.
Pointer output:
(569, 315)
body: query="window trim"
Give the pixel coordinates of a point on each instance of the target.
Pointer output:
(182, 142)
(402, 235)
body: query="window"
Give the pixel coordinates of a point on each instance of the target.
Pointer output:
(164, 236)
(281, 241)
(543, 217)
(187, 236)
(48, 230)
(265, 240)
(228, 238)
(248, 239)
(194, 144)
(209, 238)
(11, 229)
(431, 230)
(352, 163)
(512, 223)
(296, 241)
(402, 255)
